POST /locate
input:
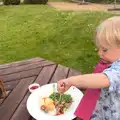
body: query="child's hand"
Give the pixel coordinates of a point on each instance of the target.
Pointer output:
(63, 85)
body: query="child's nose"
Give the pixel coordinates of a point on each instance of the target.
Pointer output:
(100, 53)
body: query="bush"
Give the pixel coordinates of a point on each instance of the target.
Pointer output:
(35, 1)
(11, 2)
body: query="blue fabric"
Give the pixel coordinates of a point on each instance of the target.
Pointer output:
(108, 105)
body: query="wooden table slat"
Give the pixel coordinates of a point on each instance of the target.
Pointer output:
(20, 75)
(60, 73)
(18, 63)
(21, 113)
(46, 74)
(25, 67)
(73, 73)
(14, 99)
(10, 85)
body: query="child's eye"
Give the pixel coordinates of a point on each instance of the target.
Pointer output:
(105, 50)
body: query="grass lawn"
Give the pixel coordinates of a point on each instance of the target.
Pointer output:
(28, 31)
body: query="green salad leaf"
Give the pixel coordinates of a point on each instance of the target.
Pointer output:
(64, 98)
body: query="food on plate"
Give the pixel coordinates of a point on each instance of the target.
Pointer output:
(56, 103)
(47, 104)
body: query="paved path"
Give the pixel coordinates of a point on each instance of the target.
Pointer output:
(76, 7)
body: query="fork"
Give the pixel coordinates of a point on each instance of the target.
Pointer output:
(60, 97)
(54, 91)
(63, 85)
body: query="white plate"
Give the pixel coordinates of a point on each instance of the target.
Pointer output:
(33, 103)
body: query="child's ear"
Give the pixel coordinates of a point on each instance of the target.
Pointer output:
(2, 90)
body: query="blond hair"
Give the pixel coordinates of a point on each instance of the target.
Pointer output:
(108, 33)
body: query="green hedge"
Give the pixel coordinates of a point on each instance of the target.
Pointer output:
(11, 2)
(35, 1)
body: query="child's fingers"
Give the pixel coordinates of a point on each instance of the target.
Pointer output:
(61, 86)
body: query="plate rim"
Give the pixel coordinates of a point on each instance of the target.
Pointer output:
(39, 90)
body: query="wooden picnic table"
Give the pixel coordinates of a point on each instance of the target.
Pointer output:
(17, 76)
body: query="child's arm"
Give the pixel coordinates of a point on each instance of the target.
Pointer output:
(98, 80)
